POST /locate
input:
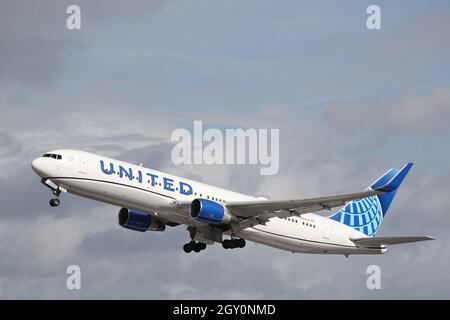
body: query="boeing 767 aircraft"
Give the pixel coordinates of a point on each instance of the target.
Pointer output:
(152, 200)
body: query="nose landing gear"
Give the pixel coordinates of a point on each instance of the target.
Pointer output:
(56, 191)
(55, 202)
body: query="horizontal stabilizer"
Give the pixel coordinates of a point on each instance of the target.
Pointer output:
(388, 240)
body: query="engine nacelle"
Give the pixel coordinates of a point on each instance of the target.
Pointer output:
(139, 221)
(210, 211)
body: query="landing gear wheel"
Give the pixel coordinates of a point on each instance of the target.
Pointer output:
(54, 202)
(233, 243)
(194, 246)
(226, 244)
(187, 248)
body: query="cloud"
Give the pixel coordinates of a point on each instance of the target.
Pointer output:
(416, 42)
(8, 144)
(36, 45)
(427, 114)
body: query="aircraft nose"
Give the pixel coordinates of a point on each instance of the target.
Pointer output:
(37, 166)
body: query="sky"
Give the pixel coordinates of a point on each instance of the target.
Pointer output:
(349, 103)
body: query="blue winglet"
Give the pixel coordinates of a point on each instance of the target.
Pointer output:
(396, 180)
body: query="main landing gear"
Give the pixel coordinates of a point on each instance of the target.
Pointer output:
(194, 246)
(233, 243)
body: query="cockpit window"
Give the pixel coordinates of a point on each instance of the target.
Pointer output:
(53, 156)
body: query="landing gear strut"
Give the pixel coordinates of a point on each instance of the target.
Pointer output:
(233, 243)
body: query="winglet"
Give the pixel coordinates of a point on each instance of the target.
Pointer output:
(396, 181)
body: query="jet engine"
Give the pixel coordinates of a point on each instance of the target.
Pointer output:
(139, 221)
(210, 211)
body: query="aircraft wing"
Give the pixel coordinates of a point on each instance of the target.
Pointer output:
(259, 211)
(255, 212)
(378, 241)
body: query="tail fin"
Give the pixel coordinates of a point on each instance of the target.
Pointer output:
(366, 215)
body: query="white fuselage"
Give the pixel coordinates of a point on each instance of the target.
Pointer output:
(135, 187)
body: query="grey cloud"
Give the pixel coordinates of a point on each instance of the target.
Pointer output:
(33, 46)
(36, 43)
(415, 114)
(154, 156)
(119, 240)
(9, 146)
(429, 200)
(418, 42)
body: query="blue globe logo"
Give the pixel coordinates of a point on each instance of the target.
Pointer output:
(364, 215)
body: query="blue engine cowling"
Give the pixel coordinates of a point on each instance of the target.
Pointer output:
(139, 221)
(209, 211)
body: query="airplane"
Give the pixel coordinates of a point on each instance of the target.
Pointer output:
(152, 200)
